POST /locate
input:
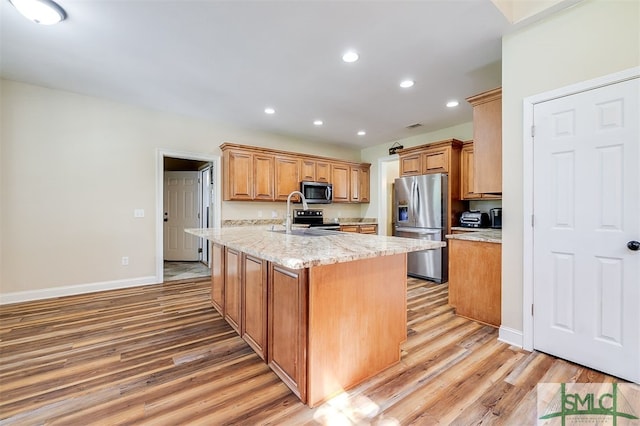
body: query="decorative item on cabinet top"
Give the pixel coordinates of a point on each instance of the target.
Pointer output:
(395, 148)
(251, 173)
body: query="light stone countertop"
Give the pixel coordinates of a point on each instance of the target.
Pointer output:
(300, 251)
(484, 235)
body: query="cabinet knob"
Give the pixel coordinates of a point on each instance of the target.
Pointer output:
(633, 245)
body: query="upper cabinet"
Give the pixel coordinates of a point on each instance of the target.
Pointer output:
(487, 141)
(467, 175)
(261, 174)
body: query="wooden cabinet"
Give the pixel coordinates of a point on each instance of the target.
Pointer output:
(263, 177)
(261, 174)
(238, 182)
(365, 184)
(411, 165)
(438, 157)
(340, 174)
(467, 175)
(368, 228)
(217, 277)
(233, 288)
(287, 177)
(314, 171)
(475, 280)
(254, 306)
(288, 327)
(487, 138)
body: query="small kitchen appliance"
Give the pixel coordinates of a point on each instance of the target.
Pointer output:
(474, 219)
(496, 218)
(317, 192)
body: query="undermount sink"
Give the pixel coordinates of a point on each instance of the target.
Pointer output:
(306, 232)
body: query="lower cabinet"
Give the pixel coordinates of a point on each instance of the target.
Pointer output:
(233, 288)
(288, 327)
(475, 280)
(217, 277)
(370, 228)
(254, 308)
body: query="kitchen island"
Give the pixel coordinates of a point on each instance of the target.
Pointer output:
(326, 310)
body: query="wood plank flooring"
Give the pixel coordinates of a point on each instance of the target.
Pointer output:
(161, 355)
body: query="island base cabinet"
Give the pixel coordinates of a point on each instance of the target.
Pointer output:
(233, 288)
(254, 310)
(357, 322)
(217, 277)
(287, 337)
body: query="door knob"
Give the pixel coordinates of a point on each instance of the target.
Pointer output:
(633, 245)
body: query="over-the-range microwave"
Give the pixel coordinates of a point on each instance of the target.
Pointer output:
(317, 192)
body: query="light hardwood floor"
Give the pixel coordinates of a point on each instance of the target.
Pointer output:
(161, 354)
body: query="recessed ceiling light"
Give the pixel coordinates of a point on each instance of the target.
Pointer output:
(269, 110)
(362, 133)
(452, 104)
(318, 122)
(407, 83)
(350, 56)
(45, 12)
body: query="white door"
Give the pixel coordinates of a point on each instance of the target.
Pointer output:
(587, 210)
(180, 212)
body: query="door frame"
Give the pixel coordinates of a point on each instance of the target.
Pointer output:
(528, 105)
(383, 200)
(216, 162)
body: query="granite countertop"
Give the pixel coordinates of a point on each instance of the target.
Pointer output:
(304, 251)
(484, 235)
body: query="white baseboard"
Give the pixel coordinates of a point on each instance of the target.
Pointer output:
(510, 336)
(48, 293)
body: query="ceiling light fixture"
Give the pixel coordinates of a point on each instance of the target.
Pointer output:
(452, 104)
(362, 133)
(318, 123)
(45, 12)
(269, 110)
(407, 83)
(350, 56)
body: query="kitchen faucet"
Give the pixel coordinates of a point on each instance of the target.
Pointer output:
(289, 223)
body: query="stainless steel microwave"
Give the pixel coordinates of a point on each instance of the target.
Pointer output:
(317, 192)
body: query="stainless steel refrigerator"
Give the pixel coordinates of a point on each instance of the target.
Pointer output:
(420, 211)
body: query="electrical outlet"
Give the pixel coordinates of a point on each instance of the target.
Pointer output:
(138, 213)
(125, 260)
(260, 213)
(274, 214)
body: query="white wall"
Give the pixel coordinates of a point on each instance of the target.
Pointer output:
(591, 39)
(73, 169)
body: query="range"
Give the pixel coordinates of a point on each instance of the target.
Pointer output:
(314, 218)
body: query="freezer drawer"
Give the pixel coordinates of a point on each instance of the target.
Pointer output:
(427, 264)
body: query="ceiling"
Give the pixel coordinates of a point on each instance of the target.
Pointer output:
(225, 61)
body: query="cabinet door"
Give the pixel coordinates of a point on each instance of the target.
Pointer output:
(323, 172)
(365, 184)
(217, 277)
(254, 308)
(238, 176)
(263, 177)
(487, 141)
(435, 161)
(411, 165)
(466, 174)
(233, 288)
(287, 340)
(340, 181)
(354, 184)
(307, 170)
(287, 177)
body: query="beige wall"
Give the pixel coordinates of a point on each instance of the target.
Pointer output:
(591, 39)
(75, 167)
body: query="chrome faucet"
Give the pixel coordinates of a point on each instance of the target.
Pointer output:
(289, 223)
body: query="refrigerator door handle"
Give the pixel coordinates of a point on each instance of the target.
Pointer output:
(414, 185)
(418, 231)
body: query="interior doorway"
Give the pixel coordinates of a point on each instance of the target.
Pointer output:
(194, 201)
(388, 171)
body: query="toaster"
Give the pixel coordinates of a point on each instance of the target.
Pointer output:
(474, 219)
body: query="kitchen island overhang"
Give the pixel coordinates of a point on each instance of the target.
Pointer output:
(325, 311)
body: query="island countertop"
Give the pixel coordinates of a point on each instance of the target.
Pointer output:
(304, 251)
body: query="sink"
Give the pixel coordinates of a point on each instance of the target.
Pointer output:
(306, 232)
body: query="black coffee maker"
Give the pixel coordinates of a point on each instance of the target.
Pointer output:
(495, 217)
